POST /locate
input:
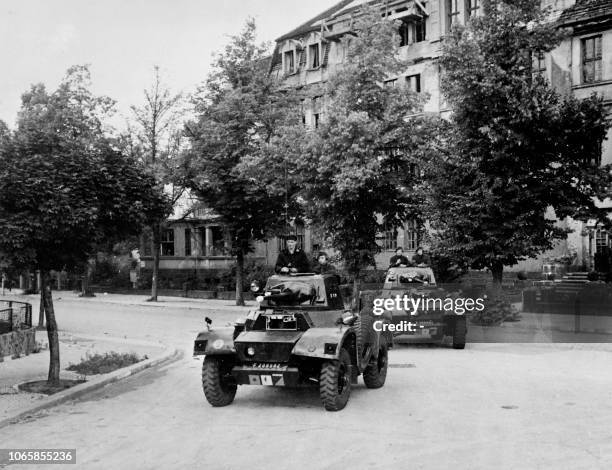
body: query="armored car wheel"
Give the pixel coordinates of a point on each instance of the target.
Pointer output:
(335, 382)
(363, 333)
(375, 373)
(218, 388)
(459, 333)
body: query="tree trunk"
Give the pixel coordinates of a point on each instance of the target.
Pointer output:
(497, 270)
(156, 247)
(239, 273)
(41, 312)
(54, 355)
(85, 290)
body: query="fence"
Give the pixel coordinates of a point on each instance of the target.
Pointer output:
(14, 316)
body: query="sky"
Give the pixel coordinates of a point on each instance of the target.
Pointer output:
(123, 40)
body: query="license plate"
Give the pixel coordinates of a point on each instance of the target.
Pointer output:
(267, 379)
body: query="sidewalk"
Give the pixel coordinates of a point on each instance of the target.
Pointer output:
(73, 348)
(131, 299)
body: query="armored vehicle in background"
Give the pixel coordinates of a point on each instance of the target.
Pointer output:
(423, 320)
(301, 335)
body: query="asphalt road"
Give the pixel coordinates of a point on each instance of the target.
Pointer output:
(502, 406)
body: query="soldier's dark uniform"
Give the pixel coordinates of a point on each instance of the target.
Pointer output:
(395, 258)
(324, 268)
(297, 260)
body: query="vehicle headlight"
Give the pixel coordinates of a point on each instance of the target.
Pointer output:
(250, 351)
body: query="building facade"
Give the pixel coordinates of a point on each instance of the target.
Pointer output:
(195, 242)
(308, 55)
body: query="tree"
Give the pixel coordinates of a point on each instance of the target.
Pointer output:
(240, 112)
(157, 141)
(516, 150)
(65, 189)
(356, 169)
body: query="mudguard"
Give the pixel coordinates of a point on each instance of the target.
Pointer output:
(324, 343)
(214, 342)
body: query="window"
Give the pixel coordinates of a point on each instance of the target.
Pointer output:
(313, 55)
(404, 32)
(389, 242)
(303, 111)
(146, 244)
(316, 111)
(602, 238)
(411, 235)
(471, 8)
(390, 83)
(452, 11)
(591, 59)
(289, 62)
(413, 82)
(411, 31)
(167, 242)
(187, 242)
(420, 30)
(538, 63)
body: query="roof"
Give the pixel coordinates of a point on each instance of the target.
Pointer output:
(585, 11)
(315, 23)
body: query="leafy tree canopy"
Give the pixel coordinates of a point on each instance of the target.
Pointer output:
(64, 187)
(515, 148)
(356, 170)
(240, 113)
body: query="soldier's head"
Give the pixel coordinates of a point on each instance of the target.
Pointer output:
(399, 251)
(419, 250)
(322, 257)
(291, 243)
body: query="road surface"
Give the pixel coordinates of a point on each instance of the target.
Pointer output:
(502, 406)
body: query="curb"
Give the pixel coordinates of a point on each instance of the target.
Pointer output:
(169, 355)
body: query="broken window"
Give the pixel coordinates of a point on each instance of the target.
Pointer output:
(313, 54)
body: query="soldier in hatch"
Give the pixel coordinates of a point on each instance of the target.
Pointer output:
(322, 265)
(398, 259)
(292, 259)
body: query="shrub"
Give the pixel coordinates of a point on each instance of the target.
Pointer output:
(104, 363)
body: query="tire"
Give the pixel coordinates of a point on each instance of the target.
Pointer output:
(375, 374)
(459, 333)
(362, 325)
(335, 382)
(218, 390)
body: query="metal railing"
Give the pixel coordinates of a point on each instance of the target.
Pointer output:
(14, 315)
